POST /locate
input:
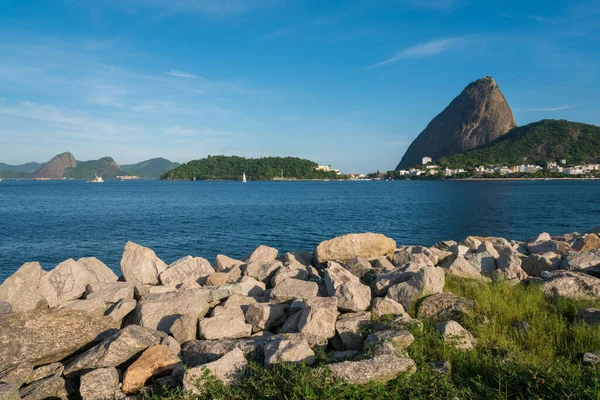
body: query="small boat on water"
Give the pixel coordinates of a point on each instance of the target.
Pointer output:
(244, 178)
(96, 179)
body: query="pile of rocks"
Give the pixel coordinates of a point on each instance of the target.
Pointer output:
(79, 331)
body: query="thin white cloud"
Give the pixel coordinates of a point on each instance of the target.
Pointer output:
(422, 50)
(558, 108)
(181, 74)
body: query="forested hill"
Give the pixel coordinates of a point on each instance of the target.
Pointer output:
(536, 143)
(232, 168)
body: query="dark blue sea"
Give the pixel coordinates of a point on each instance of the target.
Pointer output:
(55, 220)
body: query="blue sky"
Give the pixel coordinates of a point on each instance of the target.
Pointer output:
(346, 83)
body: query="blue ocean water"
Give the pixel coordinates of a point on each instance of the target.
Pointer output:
(54, 220)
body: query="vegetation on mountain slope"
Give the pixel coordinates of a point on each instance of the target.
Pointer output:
(150, 169)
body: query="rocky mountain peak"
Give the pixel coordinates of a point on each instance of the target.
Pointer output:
(55, 168)
(476, 117)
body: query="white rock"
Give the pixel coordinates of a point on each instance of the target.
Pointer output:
(352, 295)
(184, 269)
(140, 265)
(21, 289)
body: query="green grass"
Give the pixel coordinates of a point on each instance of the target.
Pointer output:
(544, 363)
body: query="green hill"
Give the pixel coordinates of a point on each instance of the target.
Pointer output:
(536, 143)
(232, 167)
(105, 167)
(150, 169)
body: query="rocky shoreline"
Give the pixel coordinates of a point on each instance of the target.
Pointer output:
(80, 331)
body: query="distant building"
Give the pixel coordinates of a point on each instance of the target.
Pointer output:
(426, 160)
(577, 170)
(432, 167)
(323, 168)
(563, 161)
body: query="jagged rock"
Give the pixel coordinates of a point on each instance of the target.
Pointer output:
(69, 279)
(364, 245)
(92, 306)
(386, 280)
(121, 309)
(472, 242)
(55, 168)
(535, 264)
(378, 369)
(184, 269)
(291, 289)
(358, 267)
(9, 391)
(290, 271)
(100, 384)
(43, 337)
(590, 316)
(591, 358)
(574, 285)
(389, 342)
(265, 317)
(239, 301)
(291, 324)
(46, 371)
(229, 325)
(318, 318)
(352, 295)
(411, 254)
(18, 375)
(479, 115)
(483, 261)
(263, 254)
(21, 289)
(159, 311)
(381, 306)
(109, 292)
(155, 362)
(225, 263)
(199, 352)
(349, 328)
(445, 306)
(227, 369)
(224, 277)
(455, 335)
(303, 257)
(115, 350)
(48, 388)
(185, 328)
(587, 242)
(459, 266)
(293, 350)
(140, 265)
(588, 262)
(429, 280)
(140, 291)
(552, 246)
(382, 264)
(488, 247)
(509, 265)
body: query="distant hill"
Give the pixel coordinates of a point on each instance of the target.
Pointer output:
(105, 167)
(150, 169)
(232, 167)
(536, 143)
(477, 116)
(55, 168)
(27, 168)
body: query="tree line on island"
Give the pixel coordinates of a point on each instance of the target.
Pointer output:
(265, 168)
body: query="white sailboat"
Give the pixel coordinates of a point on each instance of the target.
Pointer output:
(244, 177)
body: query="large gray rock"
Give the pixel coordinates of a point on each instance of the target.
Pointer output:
(428, 280)
(46, 371)
(510, 265)
(199, 352)
(445, 306)
(263, 271)
(350, 327)
(389, 342)
(574, 285)
(263, 254)
(100, 384)
(535, 264)
(185, 269)
(9, 391)
(455, 335)
(140, 265)
(358, 267)
(109, 292)
(185, 328)
(225, 263)
(386, 280)
(590, 316)
(378, 369)
(587, 242)
(409, 254)
(43, 337)
(303, 257)
(18, 375)
(120, 309)
(265, 317)
(159, 311)
(68, 280)
(352, 295)
(483, 261)
(115, 350)
(292, 288)
(227, 325)
(318, 318)
(295, 350)
(364, 245)
(21, 289)
(382, 306)
(227, 369)
(48, 388)
(290, 271)
(459, 266)
(588, 262)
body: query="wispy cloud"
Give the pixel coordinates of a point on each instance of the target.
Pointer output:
(181, 74)
(212, 7)
(421, 50)
(558, 108)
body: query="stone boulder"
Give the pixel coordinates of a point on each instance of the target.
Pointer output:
(140, 265)
(363, 245)
(155, 362)
(263, 271)
(591, 358)
(159, 311)
(227, 369)
(18, 375)
(350, 328)
(229, 324)
(358, 267)
(445, 306)
(43, 337)
(574, 285)
(457, 336)
(535, 264)
(590, 316)
(318, 318)
(109, 292)
(295, 350)
(20, 290)
(265, 317)
(483, 261)
(459, 266)
(377, 369)
(510, 265)
(9, 391)
(389, 342)
(428, 280)
(185, 328)
(303, 257)
(53, 387)
(588, 262)
(382, 306)
(100, 384)
(289, 271)
(292, 288)
(114, 350)
(587, 242)
(225, 263)
(185, 269)
(413, 254)
(352, 295)
(263, 254)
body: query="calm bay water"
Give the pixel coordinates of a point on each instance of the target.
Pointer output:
(55, 220)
